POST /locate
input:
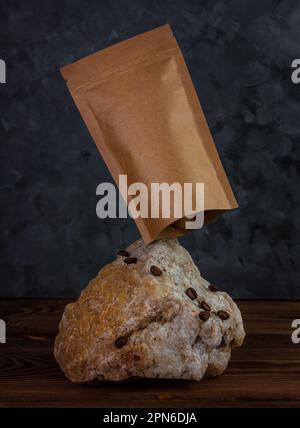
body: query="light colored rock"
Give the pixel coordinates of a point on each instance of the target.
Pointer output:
(165, 336)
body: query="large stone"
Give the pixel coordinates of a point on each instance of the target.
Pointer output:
(130, 322)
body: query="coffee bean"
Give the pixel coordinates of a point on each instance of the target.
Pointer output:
(204, 316)
(130, 260)
(223, 315)
(120, 342)
(123, 253)
(155, 271)
(212, 288)
(205, 306)
(191, 292)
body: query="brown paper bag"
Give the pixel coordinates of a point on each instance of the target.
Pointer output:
(140, 106)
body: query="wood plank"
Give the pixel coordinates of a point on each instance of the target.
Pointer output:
(264, 372)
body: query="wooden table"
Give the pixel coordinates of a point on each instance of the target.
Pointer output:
(264, 372)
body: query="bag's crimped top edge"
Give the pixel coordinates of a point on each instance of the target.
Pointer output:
(119, 54)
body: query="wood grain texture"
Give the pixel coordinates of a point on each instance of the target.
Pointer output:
(264, 372)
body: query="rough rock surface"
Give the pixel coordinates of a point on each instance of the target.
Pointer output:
(136, 321)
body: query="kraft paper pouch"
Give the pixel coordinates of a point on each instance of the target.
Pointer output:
(140, 106)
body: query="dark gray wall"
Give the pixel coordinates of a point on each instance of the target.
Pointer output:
(239, 55)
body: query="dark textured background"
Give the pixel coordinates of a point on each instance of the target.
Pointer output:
(239, 55)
